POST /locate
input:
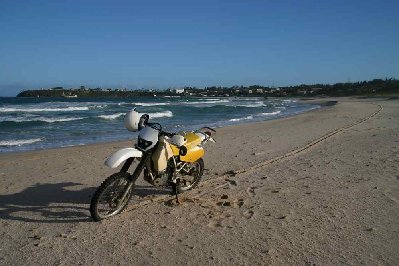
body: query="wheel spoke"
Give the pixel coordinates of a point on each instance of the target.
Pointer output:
(109, 200)
(189, 180)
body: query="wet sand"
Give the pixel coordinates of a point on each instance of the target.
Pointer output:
(316, 188)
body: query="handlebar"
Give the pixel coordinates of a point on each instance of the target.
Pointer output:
(143, 122)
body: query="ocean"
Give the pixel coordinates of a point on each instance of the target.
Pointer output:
(42, 123)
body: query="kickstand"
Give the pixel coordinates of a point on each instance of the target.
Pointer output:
(175, 189)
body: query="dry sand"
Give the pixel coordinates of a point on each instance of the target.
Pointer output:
(317, 188)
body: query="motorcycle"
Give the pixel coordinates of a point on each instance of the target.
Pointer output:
(166, 159)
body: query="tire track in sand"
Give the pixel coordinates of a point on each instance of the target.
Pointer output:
(288, 154)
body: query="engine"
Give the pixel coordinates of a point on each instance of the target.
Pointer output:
(161, 179)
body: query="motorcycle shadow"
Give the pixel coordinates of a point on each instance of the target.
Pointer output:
(66, 202)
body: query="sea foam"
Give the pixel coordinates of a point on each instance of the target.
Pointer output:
(55, 120)
(207, 102)
(240, 119)
(161, 114)
(66, 109)
(18, 142)
(151, 104)
(271, 113)
(251, 105)
(152, 115)
(39, 119)
(111, 117)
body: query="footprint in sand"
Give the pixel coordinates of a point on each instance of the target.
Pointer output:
(218, 220)
(215, 224)
(238, 203)
(231, 182)
(231, 173)
(224, 203)
(251, 191)
(248, 214)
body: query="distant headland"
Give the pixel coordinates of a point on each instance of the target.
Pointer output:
(367, 88)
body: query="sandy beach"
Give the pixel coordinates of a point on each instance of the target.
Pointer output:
(316, 188)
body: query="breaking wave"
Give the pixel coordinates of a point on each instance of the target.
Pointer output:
(207, 102)
(250, 117)
(255, 104)
(161, 114)
(39, 119)
(111, 117)
(65, 109)
(18, 142)
(55, 120)
(271, 113)
(151, 104)
(240, 119)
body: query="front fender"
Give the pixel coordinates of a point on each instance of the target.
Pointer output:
(122, 155)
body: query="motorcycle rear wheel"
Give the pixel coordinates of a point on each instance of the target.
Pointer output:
(188, 182)
(106, 200)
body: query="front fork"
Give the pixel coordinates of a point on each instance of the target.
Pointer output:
(135, 175)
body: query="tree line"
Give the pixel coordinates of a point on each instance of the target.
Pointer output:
(372, 87)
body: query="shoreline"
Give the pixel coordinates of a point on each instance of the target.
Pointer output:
(336, 201)
(323, 103)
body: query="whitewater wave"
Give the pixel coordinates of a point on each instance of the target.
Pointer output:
(18, 142)
(213, 99)
(271, 113)
(250, 117)
(102, 106)
(161, 114)
(151, 104)
(207, 102)
(55, 120)
(64, 109)
(255, 104)
(111, 117)
(240, 119)
(40, 119)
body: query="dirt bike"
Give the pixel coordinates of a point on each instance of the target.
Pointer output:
(166, 159)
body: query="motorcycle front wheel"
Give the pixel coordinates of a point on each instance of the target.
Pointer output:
(108, 199)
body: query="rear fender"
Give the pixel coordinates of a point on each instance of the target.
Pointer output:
(122, 155)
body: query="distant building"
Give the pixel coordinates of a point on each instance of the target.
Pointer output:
(178, 91)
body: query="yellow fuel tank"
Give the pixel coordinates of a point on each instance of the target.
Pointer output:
(194, 152)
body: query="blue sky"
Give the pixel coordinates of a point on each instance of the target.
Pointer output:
(195, 43)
